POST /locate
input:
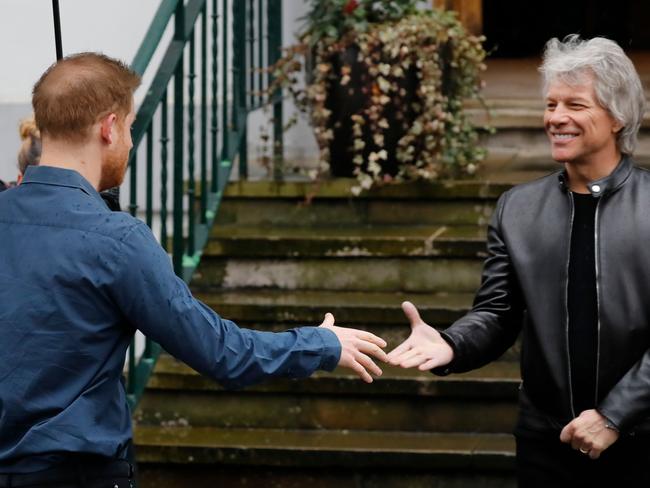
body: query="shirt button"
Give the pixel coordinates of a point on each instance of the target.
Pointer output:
(595, 188)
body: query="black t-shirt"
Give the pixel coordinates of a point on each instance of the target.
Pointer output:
(583, 303)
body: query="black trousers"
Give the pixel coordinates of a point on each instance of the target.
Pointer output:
(547, 462)
(80, 471)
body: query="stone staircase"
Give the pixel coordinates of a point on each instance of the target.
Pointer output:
(275, 262)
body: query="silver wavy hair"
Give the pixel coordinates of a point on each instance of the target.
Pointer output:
(616, 82)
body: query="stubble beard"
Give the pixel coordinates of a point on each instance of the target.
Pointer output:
(114, 168)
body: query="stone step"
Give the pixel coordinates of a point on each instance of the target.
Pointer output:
(340, 188)
(233, 476)
(341, 274)
(329, 203)
(379, 312)
(347, 241)
(268, 308)
(463, 454)
(498, 380)
(400, 400)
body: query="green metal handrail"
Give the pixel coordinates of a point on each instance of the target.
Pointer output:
(194, 207)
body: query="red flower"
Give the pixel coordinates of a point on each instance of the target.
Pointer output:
(350, 7)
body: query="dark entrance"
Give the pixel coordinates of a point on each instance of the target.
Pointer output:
(519, 28)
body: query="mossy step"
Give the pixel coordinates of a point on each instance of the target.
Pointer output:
(253, 211)
(330, 203)
(347, 241)
(340, 188)
(400, 400)
(307, 307)
(324, 448)
(379, 312)
(414, 274)
(496, 380)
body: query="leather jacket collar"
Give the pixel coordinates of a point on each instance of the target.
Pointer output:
(606, 185)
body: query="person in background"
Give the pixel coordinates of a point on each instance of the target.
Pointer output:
(29, 152)
(30, 155)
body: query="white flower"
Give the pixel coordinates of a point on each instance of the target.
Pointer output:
(384, 85)
(384, 69)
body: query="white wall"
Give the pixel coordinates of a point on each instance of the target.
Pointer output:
(114, 27)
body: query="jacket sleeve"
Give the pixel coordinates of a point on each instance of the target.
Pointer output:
(495, 319)
(158, 303)
(628, 403)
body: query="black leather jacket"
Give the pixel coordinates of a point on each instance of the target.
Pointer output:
(525, 282)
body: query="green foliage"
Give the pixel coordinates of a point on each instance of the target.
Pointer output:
(332, 19)
(393, 38)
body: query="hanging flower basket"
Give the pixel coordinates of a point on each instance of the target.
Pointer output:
(386, 98)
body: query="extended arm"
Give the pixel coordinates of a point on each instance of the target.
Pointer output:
(484, 333)
(154, 300)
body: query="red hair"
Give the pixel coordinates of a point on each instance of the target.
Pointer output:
(78, 90)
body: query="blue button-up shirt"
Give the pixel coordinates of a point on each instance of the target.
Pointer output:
(76, 280)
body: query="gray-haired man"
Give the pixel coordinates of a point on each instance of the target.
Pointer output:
(569, 262)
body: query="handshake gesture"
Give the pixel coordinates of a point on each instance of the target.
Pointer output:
(424, 347)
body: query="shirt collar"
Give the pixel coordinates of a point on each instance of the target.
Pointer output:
(49, 175)
(609, 183)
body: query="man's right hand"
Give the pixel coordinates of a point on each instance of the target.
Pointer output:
(356, 348)
(424, 348)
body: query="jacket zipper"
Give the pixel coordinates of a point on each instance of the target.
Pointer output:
(597, 299)
(566, 306)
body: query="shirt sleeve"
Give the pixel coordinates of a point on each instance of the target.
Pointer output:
(158, 303)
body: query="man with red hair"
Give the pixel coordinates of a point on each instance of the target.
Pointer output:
(77, 280)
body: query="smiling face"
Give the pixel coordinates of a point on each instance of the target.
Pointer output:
(581, 131)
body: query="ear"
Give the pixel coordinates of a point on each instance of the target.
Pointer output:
(616, 126)
(19, 178)
(107, 124)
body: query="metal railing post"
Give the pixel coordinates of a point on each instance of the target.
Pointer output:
(274, 23)
(224, 82)
(177, 246)
(250, 54)
(149, 194)
(164, 140)
(133, 183)
(191, 190)
(204, 115)
(260, 50)
(214, 129)
(239, 83)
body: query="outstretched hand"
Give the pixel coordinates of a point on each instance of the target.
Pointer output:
(424, 348)
(356, 348)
